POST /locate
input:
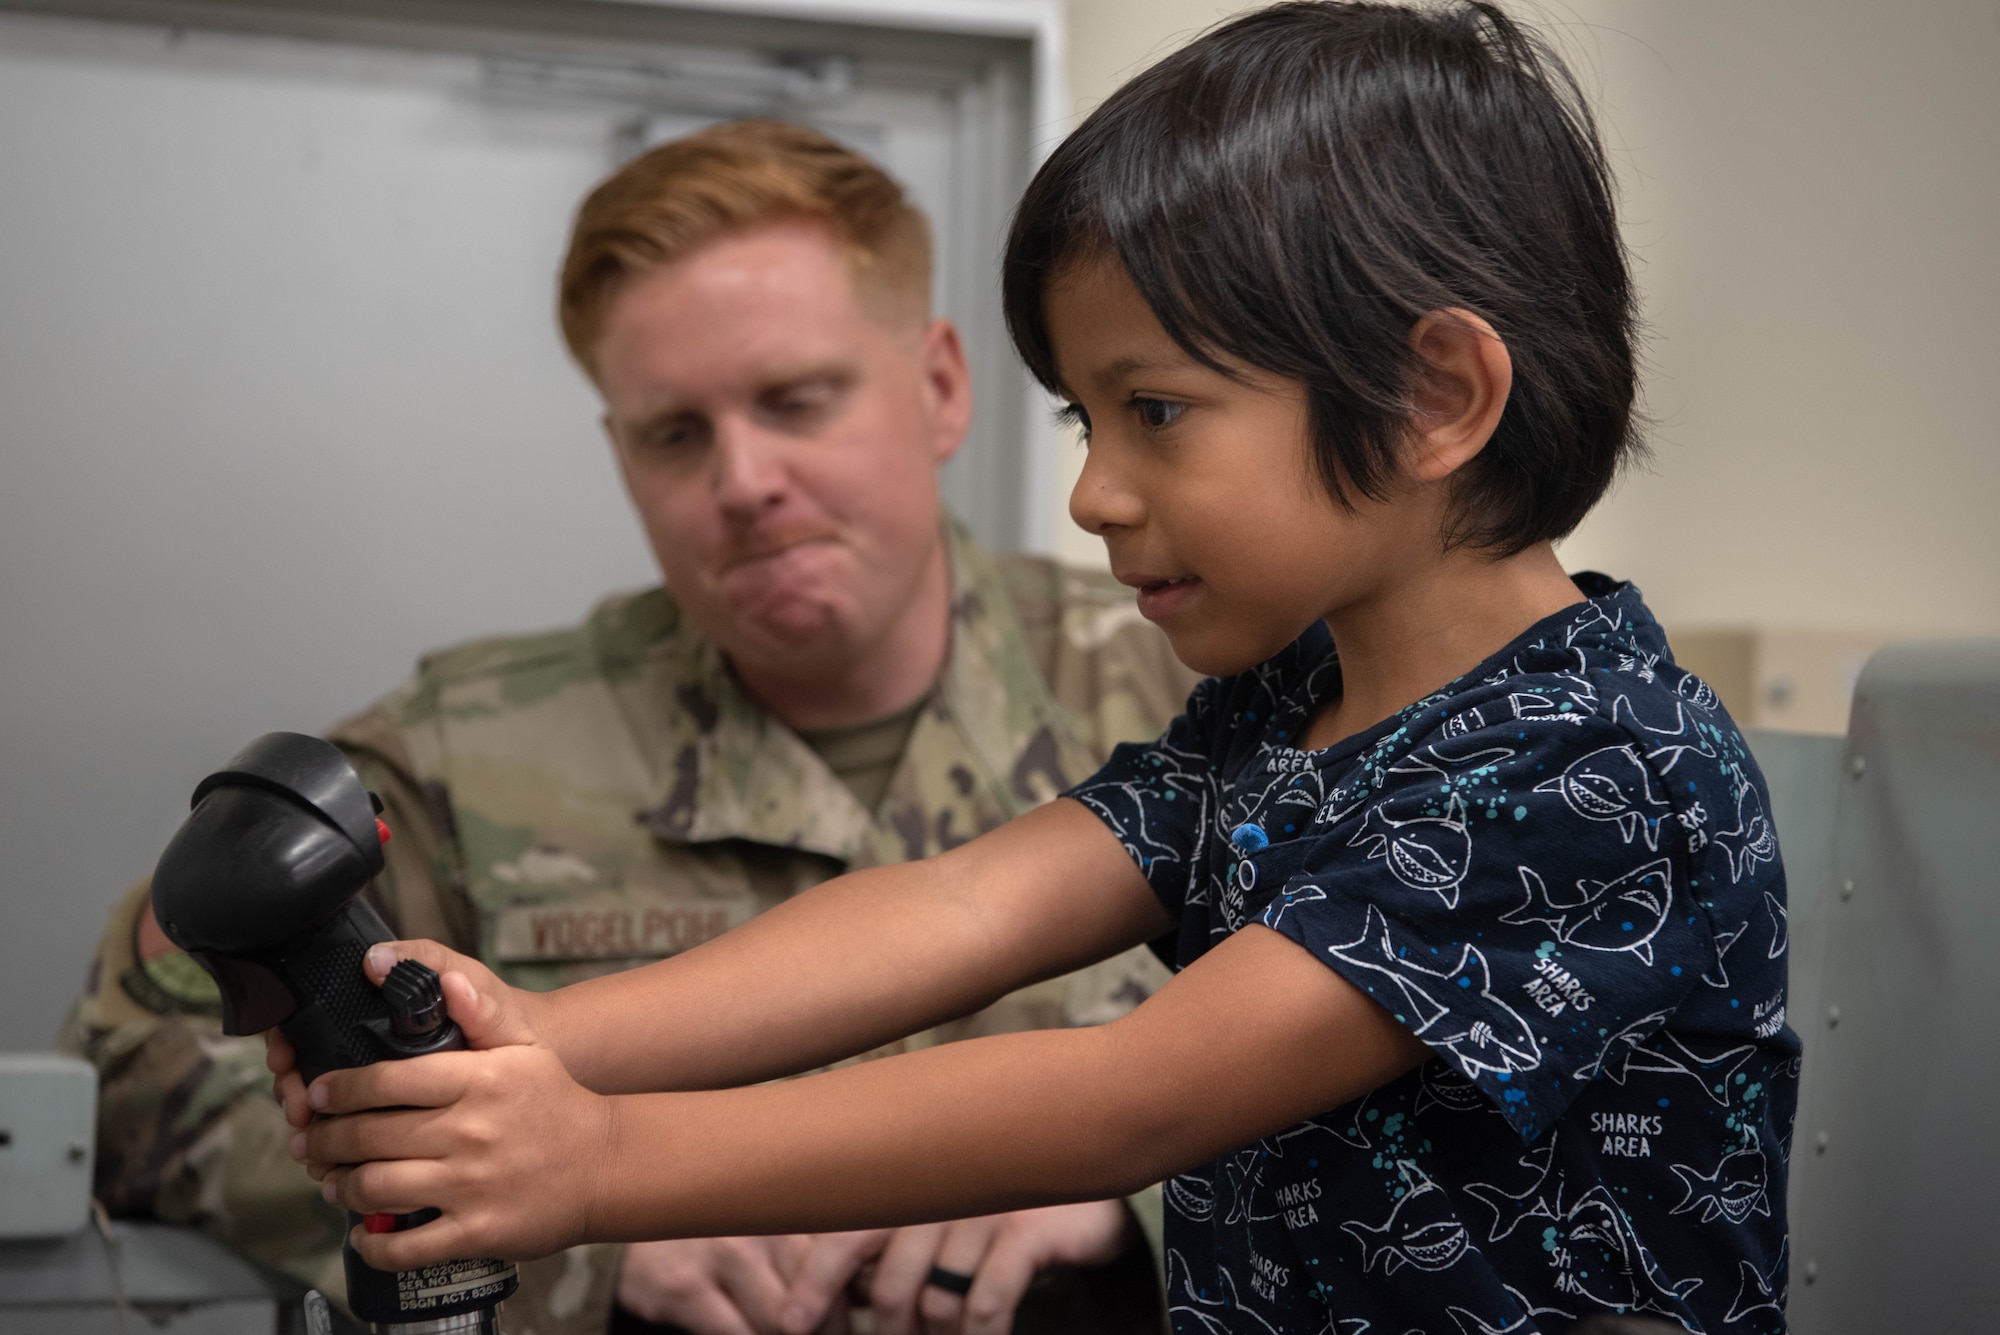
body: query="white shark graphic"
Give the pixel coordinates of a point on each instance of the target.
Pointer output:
(1496, 1038)
(1631, 1036)
(1758, 1291)
(1239, 1176)
(1738, 1188)
(1683, 736)
(1472, 1324)
(1609, 1263)
(1781, 933)
(1592, 622)
(1125, 807)
(1191, 1197)
(1422, 1231)
(1667, 1055)
(1697, 693)
(1723, 941)
(1620, 915)
(1534, 1201)
(1469, 1324)
(1613, 784)
(1534, 707)
(1424, 852)
(1304, 893)
(1753, 840)
(1439, 1086)
(1352, 1136)
(1222, 1314)
(1458, 725)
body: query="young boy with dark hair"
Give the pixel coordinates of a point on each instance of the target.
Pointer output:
(1478, 922)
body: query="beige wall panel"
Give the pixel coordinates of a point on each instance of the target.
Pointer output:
(1812, 195)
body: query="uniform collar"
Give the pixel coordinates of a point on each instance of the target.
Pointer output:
(991, 737)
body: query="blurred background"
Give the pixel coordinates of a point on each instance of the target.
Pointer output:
(282, 403)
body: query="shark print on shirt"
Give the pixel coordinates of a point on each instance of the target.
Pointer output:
(1559, 874)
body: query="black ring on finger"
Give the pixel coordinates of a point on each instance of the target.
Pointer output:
(951, 1281)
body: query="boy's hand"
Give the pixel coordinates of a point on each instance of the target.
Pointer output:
(491, 1013)
(466, 1131)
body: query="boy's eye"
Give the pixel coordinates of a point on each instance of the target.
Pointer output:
(1073, 415)
(1156, 414)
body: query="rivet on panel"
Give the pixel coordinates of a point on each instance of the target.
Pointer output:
(1832, 1016)
(1812, 1271)
(1847, 888)
(1860, 765)
(1821, 1141)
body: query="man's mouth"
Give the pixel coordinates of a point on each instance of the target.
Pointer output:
(1159, 583)
(764, 548)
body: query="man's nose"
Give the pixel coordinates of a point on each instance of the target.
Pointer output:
(750, 474)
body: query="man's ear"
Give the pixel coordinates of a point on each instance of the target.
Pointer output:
(947, 387)
(1460, 392)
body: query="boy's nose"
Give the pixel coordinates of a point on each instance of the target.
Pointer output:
(1100, 501)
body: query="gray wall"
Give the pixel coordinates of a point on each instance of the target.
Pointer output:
(282, 405)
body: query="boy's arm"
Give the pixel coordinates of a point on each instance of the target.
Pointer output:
(859, 961)
(1252, 1038)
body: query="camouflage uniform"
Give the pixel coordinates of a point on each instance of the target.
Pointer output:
(573, 803)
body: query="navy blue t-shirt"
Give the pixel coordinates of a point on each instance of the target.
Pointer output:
(1559, 873)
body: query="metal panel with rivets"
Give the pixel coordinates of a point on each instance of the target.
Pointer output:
(1895, 1169)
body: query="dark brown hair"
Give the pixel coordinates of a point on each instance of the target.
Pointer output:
(1297, 188)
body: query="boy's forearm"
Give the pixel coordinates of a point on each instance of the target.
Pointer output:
(964, 1129)
(859, 961)
(1011, 1121)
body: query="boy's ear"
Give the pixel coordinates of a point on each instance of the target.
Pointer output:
(1459, 394)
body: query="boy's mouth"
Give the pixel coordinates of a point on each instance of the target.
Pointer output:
(1161, 595)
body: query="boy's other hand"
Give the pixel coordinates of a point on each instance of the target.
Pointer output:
(491, 1013)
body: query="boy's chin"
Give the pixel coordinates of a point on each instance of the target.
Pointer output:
(1223, 650)
(1219, 651)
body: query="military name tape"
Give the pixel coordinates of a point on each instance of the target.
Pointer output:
(610, 931)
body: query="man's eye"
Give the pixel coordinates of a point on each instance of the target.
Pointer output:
(674, 438)
(1156, 414)
(797, 401)
(1073, 416)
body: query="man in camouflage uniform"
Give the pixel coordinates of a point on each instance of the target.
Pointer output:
(572, 803)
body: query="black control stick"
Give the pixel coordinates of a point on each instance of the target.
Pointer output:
(262, 886)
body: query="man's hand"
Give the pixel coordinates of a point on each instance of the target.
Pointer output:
(1002, 1253)
(728, 1286)
(491, 1013)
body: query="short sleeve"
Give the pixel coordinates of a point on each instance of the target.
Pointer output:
(1518, 898)
(1158, 799)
